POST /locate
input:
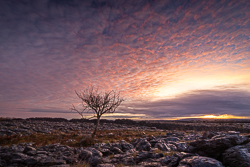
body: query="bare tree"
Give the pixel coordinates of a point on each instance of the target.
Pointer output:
(98, 102)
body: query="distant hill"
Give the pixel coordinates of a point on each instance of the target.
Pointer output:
(214, 120)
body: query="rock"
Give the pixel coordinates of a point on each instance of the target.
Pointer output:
(116, 150)
(143, 145)
(208, 135)
(143, 156)
(2, 163)
(18, 158)
(153, 142)
(90, 155)
(157, 155)
(176, 139)
(233, 133)
(131, 151)
(126, 146)
(237, 156)
(105, 151)
(85, 155)
(70, 160)
(199, 161)
(117, 144)
(106, 165)
(128, 160)
(172, 147)
(51, 161)
(182, 155)
(32, 161)
(174, 159)
(63, 165)
(162, 147)
(181, 146)
(95, 152)
(215, 147)
(150, 164)
(28, 149)
(169, 161)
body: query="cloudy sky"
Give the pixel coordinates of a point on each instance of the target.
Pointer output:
(168, 58)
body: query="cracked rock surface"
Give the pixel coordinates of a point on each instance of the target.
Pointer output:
(175, 149)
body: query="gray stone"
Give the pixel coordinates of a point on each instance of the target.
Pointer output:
(85, 155)
(237, 156)
(63, 165)
(126, 146)
(142, 156)
(208, 135)
(106, 165)
(162, 146)
(233, 133)
(143, 145)
(215, 146)
(181, 146)
(176, 139)
(128, 160)
(105, 151)
(90, 155)
(172, 147)
(169, 161)
(150, 164)
(32, 161)
(199, 161)
(116, 150)
(18, 158)
(51, 161)
(28, 148)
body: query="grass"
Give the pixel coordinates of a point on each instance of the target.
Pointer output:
(40, 139)
(83, 164)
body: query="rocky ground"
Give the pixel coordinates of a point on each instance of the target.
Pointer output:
(147, 146)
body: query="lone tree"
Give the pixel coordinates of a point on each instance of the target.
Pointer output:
(98, 102)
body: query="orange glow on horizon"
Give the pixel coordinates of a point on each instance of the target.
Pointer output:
(211, 116)
(224, 116)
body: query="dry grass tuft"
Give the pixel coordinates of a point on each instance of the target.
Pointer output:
(75, 139)
(83, 164)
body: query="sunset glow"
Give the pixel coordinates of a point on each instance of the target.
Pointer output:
(224, 116)
(169, 59)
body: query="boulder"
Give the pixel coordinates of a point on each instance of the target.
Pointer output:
(106, 165)
(28, 148)
(32, 161)
(128, 160)
(172, 147)
(199, 161)
(237, 156)
(162, 146)
(215, 146)
(50, 162)
(150, 164)
(143, 145)
(208, 135)
(105, 151)
(143, 156)
(90, 155)
(169, 161)
(126, 146)
(116, 150)
(176, 139)
(181, 146)
(174, 159)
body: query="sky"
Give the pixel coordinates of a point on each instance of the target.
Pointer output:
(169, 59)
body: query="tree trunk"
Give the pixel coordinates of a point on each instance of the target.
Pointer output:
(96, 127)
